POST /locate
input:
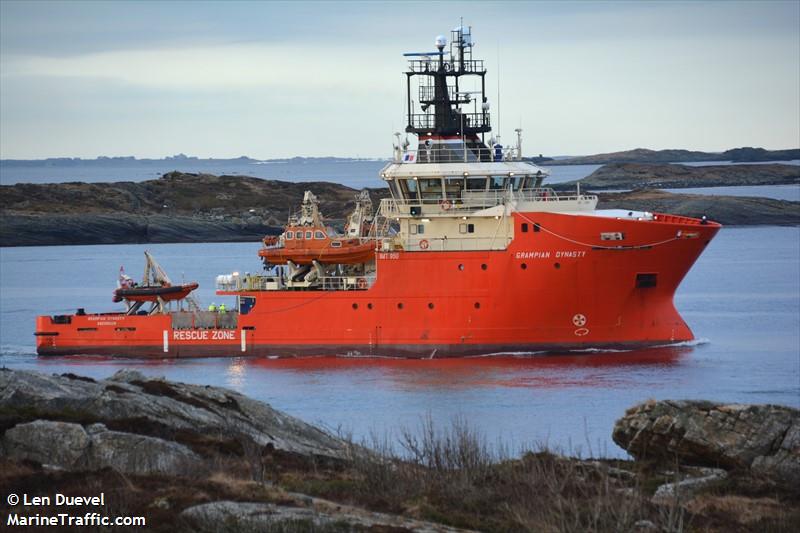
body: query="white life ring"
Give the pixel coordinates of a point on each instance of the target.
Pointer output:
(362, 283)
(445, 205)
(423, 244)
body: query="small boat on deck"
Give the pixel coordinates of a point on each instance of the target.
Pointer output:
(306, 240)
(156, 288)
(167, 293)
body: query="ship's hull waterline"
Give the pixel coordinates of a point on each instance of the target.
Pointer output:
(555, 287)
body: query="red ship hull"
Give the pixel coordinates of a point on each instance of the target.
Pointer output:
(556, 289)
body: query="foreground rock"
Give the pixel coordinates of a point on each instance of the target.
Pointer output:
(195, 458)
(71, 447)
(762, 438)
(246, 516)
(129, 403)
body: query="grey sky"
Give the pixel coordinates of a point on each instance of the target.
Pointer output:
(272, 79)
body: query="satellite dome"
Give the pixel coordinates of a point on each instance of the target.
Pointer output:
(441, 42)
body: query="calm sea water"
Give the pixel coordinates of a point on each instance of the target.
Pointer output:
(742, 299)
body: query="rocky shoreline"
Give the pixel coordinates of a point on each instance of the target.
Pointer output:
(643, 155)
(178, 207)
(205, 208)
(727, 210)
(200, 458)
(667, 176)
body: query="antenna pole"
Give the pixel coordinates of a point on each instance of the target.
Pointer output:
(498, 88)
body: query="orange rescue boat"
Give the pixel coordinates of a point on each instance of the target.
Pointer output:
(306, 239)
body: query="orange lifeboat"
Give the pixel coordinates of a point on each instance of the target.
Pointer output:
(305, 238)
(302, 245)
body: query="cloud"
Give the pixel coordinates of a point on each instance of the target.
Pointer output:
(211, 68)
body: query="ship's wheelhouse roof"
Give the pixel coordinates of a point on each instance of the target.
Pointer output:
(434, 170)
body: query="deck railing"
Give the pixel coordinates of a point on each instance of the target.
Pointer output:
(423, 66)
(257, 282)
(455, 153)
(467, 120)
(470, 200)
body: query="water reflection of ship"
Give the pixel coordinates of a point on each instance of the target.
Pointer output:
(593, 370)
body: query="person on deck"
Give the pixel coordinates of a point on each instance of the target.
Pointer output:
(212, 307)
(222, 309)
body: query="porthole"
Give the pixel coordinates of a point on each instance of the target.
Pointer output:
(400, 305)
(369, 306)
(355, 306)
(557, 265)
(483, 266)
(461, 267)
(430, 305)
(523, 266)
(477, 305)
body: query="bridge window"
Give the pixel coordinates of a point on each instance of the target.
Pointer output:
(308, 234)
(408, 188)
(430, 188)
(497, 183)
(466, 228)
(516, 182)
(319, 235)
(415, 229)
(299, 235)
(290, 235)
(453, 187)
(476, 184)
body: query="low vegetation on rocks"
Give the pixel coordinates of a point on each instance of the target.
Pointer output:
(197, 458)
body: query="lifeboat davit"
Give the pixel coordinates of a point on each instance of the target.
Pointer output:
(166, 293)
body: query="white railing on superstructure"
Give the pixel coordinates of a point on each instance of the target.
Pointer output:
(457, 153)
(257, 282)
(471, 200)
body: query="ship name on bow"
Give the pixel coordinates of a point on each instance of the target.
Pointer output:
(547, 254)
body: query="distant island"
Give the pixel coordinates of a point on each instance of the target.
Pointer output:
(673, 176)
(184, 207)
(638, 155)
(643, 155)
(125, 161)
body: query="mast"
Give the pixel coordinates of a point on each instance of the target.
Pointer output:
(447, 130)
